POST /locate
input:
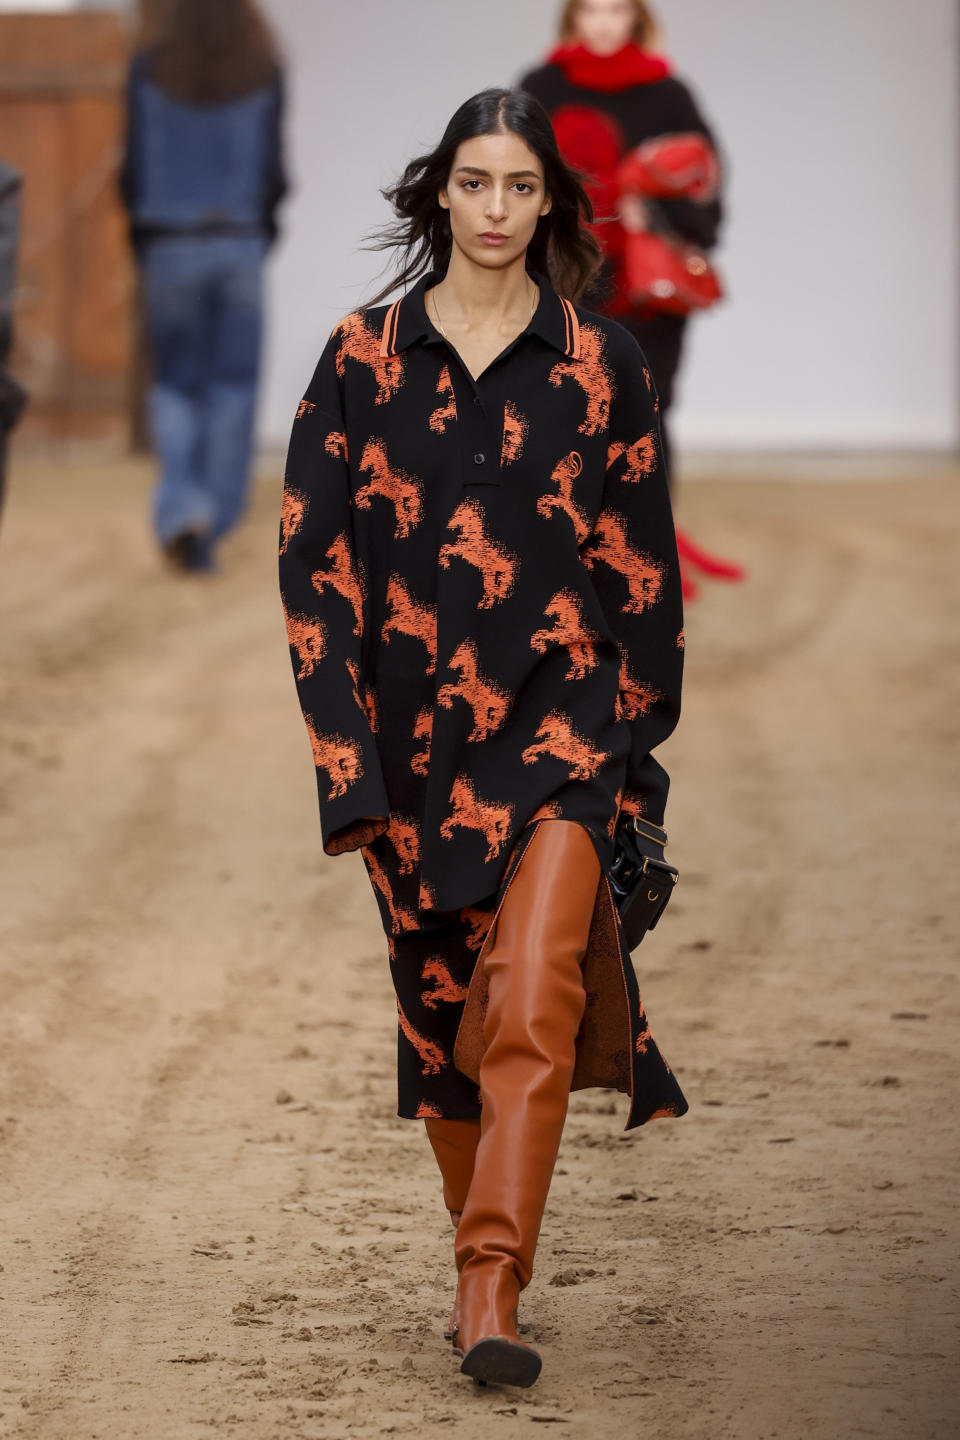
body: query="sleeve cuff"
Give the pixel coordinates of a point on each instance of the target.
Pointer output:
(356, 811)
(355, 835)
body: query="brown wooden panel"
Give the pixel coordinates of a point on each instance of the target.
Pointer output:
(95, 239)
(62, 80)
(85, 49)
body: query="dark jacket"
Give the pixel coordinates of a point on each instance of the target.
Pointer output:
(201, 169)
(481, 588)
(633, 113)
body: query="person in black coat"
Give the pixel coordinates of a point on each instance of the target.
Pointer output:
(482, 596)
(635, 130)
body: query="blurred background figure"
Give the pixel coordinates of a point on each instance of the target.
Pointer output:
(625, 121)
(202, 177)
(12, 395)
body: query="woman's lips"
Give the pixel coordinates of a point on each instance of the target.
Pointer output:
(494, 238)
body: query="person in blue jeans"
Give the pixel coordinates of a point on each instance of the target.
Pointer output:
(202, 178)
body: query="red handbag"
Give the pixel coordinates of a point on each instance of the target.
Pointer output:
(659, 269)
(668, 274)
(670, 166)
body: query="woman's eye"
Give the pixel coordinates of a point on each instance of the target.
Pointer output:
(469, 184)
(523, 187)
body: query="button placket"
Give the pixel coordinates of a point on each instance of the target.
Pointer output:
(479, 443)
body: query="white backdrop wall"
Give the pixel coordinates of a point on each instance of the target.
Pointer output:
(839, 122)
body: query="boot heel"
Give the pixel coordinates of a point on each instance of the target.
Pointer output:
(498, 1361)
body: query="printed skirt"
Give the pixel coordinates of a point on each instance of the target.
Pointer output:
(433, 957)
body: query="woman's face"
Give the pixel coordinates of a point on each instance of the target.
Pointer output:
(495, 194)
(604, 26)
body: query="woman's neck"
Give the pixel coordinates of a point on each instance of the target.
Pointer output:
(482, 299)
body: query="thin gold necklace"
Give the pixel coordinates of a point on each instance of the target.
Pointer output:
(436, 312)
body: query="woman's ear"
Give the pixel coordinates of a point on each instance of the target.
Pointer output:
(443, 199)
(546, 207)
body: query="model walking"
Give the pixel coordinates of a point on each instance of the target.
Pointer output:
(628, 123)
(482, 597)
(202, 178)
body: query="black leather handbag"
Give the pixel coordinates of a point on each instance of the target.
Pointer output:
(641, 885)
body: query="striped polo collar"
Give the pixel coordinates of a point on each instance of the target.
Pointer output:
(406, 321)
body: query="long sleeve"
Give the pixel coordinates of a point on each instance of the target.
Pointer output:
(632, 558)
(323, 587)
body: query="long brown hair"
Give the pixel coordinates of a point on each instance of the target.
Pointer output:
(561, 248)
(210, 51)
(646, 31)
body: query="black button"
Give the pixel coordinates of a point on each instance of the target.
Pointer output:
(479, 459)
(477, 400)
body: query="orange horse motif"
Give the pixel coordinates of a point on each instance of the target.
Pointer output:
(495, 563)
(405, 839)
(344, 577)
(636, 697)
(549, 810)
(446, 412)
(408, 617)
(358, 342)
(338, 756)
(366, 701)
(565, 610)
(336, 444)
(426, 896)
(515, 428)
(632, 805)
(401, 919)
(479, 922)
(643, 574)
(488, 702)
(292, 513)
(592, 373)
(403, 492)
(564, 474)
(556, 736)
(445, 988)
(640, 457)
(422, 730)
(469, 812)
(432, 1058)
(308, 637)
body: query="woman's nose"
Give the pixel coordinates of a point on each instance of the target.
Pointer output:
(497, 205)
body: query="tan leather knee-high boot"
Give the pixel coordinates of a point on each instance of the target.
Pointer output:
(536, 1003)
(454, 1144)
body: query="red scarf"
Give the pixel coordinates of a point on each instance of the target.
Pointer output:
(629, 66)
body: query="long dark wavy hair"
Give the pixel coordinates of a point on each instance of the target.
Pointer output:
(561, 248)
(210, 51)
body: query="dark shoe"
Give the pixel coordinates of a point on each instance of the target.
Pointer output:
(189, 552)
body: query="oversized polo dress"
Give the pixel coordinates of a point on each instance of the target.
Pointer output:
(482, 598)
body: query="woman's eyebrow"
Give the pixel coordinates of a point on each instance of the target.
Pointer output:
(485, 174)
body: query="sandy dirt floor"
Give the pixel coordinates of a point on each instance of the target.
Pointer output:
(211, 1220)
